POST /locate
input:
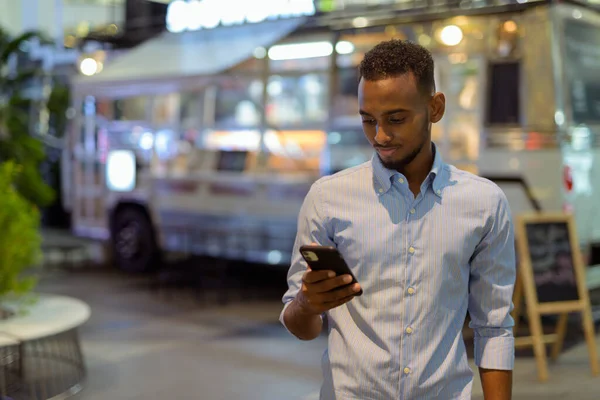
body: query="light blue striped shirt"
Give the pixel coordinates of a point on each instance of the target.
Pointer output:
(422, 263)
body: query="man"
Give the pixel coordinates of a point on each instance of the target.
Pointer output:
(427, 243)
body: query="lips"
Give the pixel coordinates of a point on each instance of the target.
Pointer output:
(386, 151)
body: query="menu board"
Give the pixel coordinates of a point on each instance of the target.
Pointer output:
(582, 63)
(553, 280)
(551, 257)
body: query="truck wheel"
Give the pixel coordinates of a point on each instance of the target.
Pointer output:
(134, 244)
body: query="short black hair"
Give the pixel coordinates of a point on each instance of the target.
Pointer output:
(396, 57)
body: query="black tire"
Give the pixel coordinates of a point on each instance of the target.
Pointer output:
(134, 243)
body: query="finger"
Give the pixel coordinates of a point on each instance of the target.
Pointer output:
(339, 302)
(332, 299)
(317, 276)
(339, 294)
(331, 284)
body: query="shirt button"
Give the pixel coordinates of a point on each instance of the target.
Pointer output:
(406, 371)
(409, 330)
(411, 291)
(413, 211)
(380, 190)
(411, 250)
(438, 191)
(401, 180)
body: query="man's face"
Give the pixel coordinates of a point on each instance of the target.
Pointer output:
(397, 118)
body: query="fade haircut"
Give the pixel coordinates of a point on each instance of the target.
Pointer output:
(396, 57)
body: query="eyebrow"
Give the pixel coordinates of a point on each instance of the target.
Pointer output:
(389, 112)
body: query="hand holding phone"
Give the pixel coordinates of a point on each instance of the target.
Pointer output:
(329, 282)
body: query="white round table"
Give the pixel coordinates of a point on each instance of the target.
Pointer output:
(40, 353)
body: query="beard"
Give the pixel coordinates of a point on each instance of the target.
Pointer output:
(403, 162)
(406, 160)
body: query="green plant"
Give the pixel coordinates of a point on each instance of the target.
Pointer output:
(58, 104)
(16, 142)
(20, 241)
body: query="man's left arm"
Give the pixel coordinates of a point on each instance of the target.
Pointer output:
(491, 286)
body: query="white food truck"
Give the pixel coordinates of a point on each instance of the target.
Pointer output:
(206, 139)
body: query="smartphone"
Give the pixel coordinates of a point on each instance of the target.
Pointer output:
(326, 258)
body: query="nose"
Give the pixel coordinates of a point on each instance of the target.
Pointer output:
(381, 136)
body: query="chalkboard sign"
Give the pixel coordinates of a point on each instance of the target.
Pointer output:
(552, 279)
(551, 258)
(582, 63)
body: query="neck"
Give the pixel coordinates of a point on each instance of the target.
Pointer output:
(419, 168)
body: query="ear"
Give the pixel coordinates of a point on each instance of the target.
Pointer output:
(437, 107)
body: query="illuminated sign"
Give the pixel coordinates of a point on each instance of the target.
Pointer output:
(338, 5)
(194, 15)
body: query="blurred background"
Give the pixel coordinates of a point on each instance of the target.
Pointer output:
(156, 155)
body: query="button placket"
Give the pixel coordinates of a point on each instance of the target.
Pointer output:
(410, 291)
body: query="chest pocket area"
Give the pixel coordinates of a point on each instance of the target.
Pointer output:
(455, 251)
(373, 256)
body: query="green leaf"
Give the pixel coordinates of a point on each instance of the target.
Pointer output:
(16, 141)
(14, 45)
(20, 242)
(10, 84)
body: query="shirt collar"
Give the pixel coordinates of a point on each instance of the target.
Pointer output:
(382, 177)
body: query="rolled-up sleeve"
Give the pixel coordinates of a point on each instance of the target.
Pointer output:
(312, 228)
(492, 280)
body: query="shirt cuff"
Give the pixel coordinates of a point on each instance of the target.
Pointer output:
(496, 352)
(283, 312)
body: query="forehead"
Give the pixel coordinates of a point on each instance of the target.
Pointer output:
(396, 92)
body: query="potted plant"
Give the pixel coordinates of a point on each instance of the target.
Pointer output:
(16, 140)
(20, 241)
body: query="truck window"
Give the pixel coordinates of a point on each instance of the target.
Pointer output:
(297, 101)
(238, 103)
(503, 100)
(131, 109)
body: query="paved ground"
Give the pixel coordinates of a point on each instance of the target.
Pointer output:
(61, 247)
(146, 341)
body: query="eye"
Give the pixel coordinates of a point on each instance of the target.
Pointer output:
(396, 120)
(369, 121)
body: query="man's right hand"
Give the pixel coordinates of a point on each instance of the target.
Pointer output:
(322, 290)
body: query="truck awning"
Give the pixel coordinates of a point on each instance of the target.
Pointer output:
(188, 54)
